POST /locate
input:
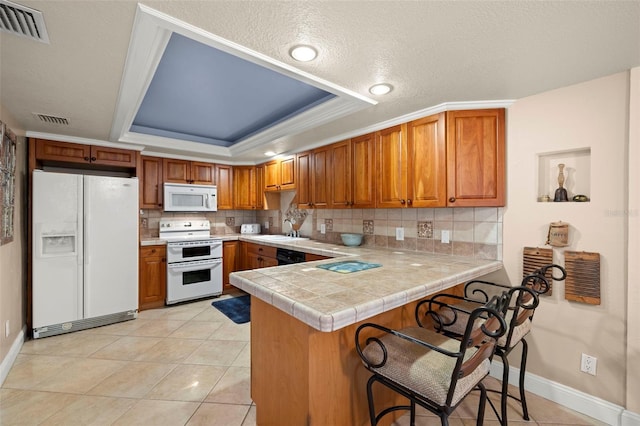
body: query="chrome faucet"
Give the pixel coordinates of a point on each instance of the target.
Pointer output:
(291, 231)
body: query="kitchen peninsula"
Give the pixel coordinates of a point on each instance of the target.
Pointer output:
(304, 367)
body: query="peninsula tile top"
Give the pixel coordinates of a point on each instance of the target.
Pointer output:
(328, 300)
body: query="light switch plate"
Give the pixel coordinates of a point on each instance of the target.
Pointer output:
(400, 234)
(266, 224)
(323, 228)
(444, 236)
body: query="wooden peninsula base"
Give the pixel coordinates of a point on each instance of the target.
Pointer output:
(302, 376)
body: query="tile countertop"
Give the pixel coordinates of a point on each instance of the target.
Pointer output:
(328, 301)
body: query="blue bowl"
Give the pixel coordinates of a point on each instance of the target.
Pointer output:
(351, 240)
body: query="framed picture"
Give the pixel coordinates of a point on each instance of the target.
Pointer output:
(7, 183)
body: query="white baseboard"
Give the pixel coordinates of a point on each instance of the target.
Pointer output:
(573, 399)
(629, 419)
(8, 360)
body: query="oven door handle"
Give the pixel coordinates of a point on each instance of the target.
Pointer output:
(185, 266)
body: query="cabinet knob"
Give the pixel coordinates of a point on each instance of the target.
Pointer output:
(409, 202)
(402, 201)
(452, 199)
(93, 158)
(260, 249)
(86, 158)
(346, 203)
(153, 250)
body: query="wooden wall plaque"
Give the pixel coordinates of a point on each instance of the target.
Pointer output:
(534, 258)
(583, 277)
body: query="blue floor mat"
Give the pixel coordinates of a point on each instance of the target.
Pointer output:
(237, 309)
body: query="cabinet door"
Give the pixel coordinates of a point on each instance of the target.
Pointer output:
(363, 171)
(339, 176)
(267, 262)
(303, 181)
(224, 182)
(62, 151)
(321, 161)
(427, 177)
(202, 173)
(259, 187)
(150, 182)
(272, 176)
(392, 167)
(113, 156)
(152, 286)
(288, 173)
(176, 171)
(475, 158)
(244, 184)
(230, 255)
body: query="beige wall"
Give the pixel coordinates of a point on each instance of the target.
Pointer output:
(589, 115)
(12, 288)
(633, 281)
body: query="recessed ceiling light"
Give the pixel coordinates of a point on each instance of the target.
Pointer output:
(269, 153)
(380, 89)
(303, 53)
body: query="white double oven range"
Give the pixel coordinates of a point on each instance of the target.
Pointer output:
(194, 260)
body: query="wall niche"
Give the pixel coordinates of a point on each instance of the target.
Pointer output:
(576, 171)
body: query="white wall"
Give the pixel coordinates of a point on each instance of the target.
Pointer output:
(589, 115)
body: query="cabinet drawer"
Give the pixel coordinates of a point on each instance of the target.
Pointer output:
(261, 250)
(152, 251)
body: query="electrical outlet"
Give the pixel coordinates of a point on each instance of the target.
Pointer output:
(7, 329)
(588, 364)
(399, 234)
(444, 236)
(266, 224)
(323, 228)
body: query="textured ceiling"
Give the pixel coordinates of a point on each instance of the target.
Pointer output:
(431, 52)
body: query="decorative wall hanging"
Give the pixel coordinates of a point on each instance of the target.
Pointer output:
(7, 182)
(558, 235)
(534, 258)
(583, 277)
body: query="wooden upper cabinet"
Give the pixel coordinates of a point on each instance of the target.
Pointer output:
(259, 187)
(391, 153)
(245, 187)
(426, 162)
(150, 173)
(338, 178)
(175, 171)
(280, 175)
(184, 171)
(303, 179)
(475, 158)
(320, 173)
(363, 171)
(66, 152)
(113, 156)
(202, 173)
(224, 183)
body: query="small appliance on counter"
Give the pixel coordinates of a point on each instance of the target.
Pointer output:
(250, 228)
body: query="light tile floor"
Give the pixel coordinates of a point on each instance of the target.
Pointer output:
(181, 365)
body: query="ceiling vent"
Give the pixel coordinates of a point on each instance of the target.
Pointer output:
(51, 119)
(20, 20)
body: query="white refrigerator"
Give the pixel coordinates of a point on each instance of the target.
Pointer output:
(84, 252)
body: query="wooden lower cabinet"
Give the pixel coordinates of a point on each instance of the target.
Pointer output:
(255, 256)
(230, 262)
(310, 257)
(152, 285)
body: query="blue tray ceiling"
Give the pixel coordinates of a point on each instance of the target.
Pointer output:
(202, 94)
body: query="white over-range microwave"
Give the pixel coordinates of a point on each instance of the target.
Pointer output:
(180, 197)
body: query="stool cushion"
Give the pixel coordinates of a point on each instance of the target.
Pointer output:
(422, 370)
(458, 327)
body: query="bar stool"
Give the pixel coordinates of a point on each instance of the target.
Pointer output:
(429, 368)
(449, 314)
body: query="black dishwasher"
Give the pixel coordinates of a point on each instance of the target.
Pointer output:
(287, 257)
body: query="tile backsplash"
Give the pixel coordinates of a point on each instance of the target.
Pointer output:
(473, 232)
